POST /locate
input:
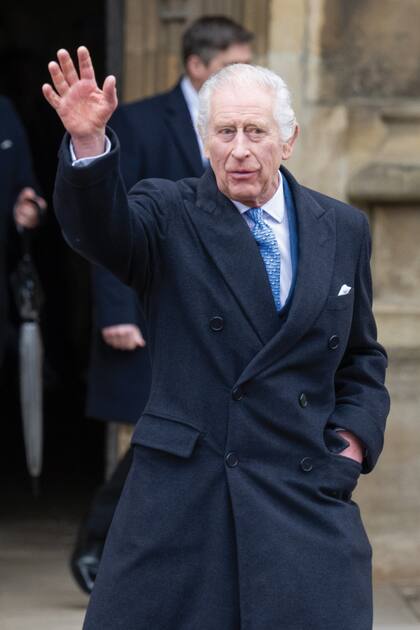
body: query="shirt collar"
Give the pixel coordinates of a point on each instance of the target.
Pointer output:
(190, 95)
(275, 206)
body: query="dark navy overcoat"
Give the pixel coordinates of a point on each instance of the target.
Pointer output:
(157, 139)
(235, 514)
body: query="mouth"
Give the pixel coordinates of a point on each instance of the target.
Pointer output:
(240, 175)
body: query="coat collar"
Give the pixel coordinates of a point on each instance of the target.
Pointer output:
(178, 118)
(231, 246)
(316, 245)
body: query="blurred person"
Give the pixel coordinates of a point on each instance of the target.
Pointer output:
(267, 398)
(19, 201)
(159, 138)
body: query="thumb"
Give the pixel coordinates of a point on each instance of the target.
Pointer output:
(138, 338)
(109, 89)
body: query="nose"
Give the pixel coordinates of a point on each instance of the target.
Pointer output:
(240, 149)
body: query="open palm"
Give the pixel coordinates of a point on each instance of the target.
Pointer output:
(82, 106)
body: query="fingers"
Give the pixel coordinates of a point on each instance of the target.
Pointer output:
(109, 89)
(26, 213)
(355, 448)
(26, 216)
(138, 339)
(57, 77)
(123, 337)
(64, 74)
(85, 64)
(51, 96)
(67, 66)
(29, 194)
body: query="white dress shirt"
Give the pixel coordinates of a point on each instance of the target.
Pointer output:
(191, 98)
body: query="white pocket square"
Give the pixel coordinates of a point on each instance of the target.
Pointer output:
(345, 289)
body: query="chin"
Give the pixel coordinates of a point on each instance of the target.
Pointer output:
(242, 193)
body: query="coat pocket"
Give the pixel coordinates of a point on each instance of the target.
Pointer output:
(167, 435)
(340, 477)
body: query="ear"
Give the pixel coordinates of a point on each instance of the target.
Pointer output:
(196, 69)
(206, 150)
(288, 146)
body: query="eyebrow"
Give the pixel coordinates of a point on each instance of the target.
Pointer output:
(231, 123)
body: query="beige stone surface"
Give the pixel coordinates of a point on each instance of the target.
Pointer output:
(389, 498)
(36, 590)
(370, 49)
(391, 610)
(396, 264)
(287, 26)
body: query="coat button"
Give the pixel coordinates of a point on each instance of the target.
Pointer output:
(306, 464)
(217, 323)
(232, 460)
(334, 342)
(303, 400)
(237, 393)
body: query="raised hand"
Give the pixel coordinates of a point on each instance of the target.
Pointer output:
(82, 106)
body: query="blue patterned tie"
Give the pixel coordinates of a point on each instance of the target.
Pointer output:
(269, 251)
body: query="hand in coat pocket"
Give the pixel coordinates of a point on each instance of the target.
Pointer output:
(344, 443)
(355, 449)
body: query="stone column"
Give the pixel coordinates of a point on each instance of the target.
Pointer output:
(388, 186)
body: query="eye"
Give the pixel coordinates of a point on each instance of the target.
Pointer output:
(226, 132)
(255, 133)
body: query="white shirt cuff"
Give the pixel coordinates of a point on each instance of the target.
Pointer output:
(85, 161)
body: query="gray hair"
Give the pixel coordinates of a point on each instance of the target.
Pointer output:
(242, 74)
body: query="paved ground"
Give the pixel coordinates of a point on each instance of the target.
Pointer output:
(37, 592)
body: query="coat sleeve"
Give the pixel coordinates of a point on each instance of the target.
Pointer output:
(114, 303)
(362, 401)
(133, 162)
(122, 232)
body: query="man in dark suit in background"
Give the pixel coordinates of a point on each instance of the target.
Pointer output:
(17, 197)
(159, 138)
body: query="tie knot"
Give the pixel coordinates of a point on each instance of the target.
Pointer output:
(256, 214)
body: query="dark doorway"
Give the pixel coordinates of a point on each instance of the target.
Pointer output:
(30, 34)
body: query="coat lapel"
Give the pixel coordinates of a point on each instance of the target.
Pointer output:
(178, 119)
(316, 244)
(231, 246)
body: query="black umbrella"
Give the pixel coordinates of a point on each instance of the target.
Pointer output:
(28, 294)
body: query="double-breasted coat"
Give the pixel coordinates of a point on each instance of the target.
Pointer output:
(235, 514)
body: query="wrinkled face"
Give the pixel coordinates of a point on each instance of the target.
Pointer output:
(244, 145)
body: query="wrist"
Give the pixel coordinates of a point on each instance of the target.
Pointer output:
(89, 146)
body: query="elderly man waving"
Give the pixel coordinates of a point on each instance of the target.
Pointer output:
(267, 398)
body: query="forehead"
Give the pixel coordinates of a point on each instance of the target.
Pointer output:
(237, 102)
(235, 53)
